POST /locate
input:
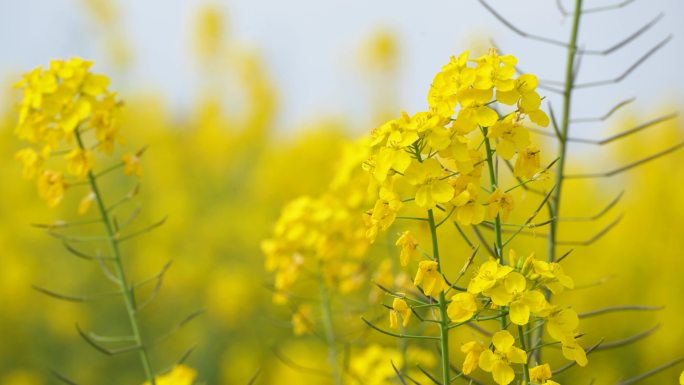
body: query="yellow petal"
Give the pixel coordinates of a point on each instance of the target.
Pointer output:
(516, 355)
(485, 116)
(503, 340)
(515, 282)
(530, 101)
(519, 313)
(486, 360)
(442, 191)
(539, 117)
(505, 149)
(503, 373)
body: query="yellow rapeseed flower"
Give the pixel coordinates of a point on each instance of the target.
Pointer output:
(527, 163)
(31, 160)
(429, 278)
(542, 375)
(487, 276)
(472, 350)
(80, 162)
(462, 307)
(512, 136)
(500, 203)
(498, 362)
(399, 308)
(51, 187)
(408, 246)
(512, 292)
(429, 177)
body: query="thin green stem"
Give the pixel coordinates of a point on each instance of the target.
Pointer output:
(126, 287)
(526, 371)
(493, 182)
(328, 328)
(444, 318)
(497, 220)
(555, 201)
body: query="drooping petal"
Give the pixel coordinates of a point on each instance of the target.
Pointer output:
(502, 373)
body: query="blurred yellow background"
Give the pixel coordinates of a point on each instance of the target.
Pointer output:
(223, 168)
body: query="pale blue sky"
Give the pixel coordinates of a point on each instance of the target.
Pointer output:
(311, 46)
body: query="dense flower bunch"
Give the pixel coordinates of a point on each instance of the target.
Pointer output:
(60, 105)
(433, 162)
(67, 114)
(518, 288)
(312, 230)
(321, 235)
(435, 159)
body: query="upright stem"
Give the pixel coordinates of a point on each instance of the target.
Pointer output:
(565, 123)
(326, 317)
(443, 317)
(526, 371)
(125, 286)
(554, 203)
(493, 183)
(497, 222)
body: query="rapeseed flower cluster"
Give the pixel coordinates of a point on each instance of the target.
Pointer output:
(60, 106)
(433, 162)
(435, 159)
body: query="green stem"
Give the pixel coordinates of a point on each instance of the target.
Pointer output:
(328, 328)
(493, 182)
(526, 370)
(497, 221)
(444, 318)
(554, 203)
(126, 287)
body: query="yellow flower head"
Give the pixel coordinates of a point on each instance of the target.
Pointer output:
(542, 375)
(512, 136)
(408, 246)
(551, 275)
(472, 349)
(573, 351)
(512, 292)
(80, 162)
(500, 203)
(32, 160)
(429, 278)
(383, 214)
(498, 362)
(561, 322)
(428, 176)
(399, 308)
(470, 211)
(462, 307)
(51, 187)
(527, 163)
(58, 103)
(487, 276)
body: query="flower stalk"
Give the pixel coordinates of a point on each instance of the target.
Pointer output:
(124, 284)
(443, 317)
(328, 327)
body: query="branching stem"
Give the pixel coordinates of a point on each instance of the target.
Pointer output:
(126, 287)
